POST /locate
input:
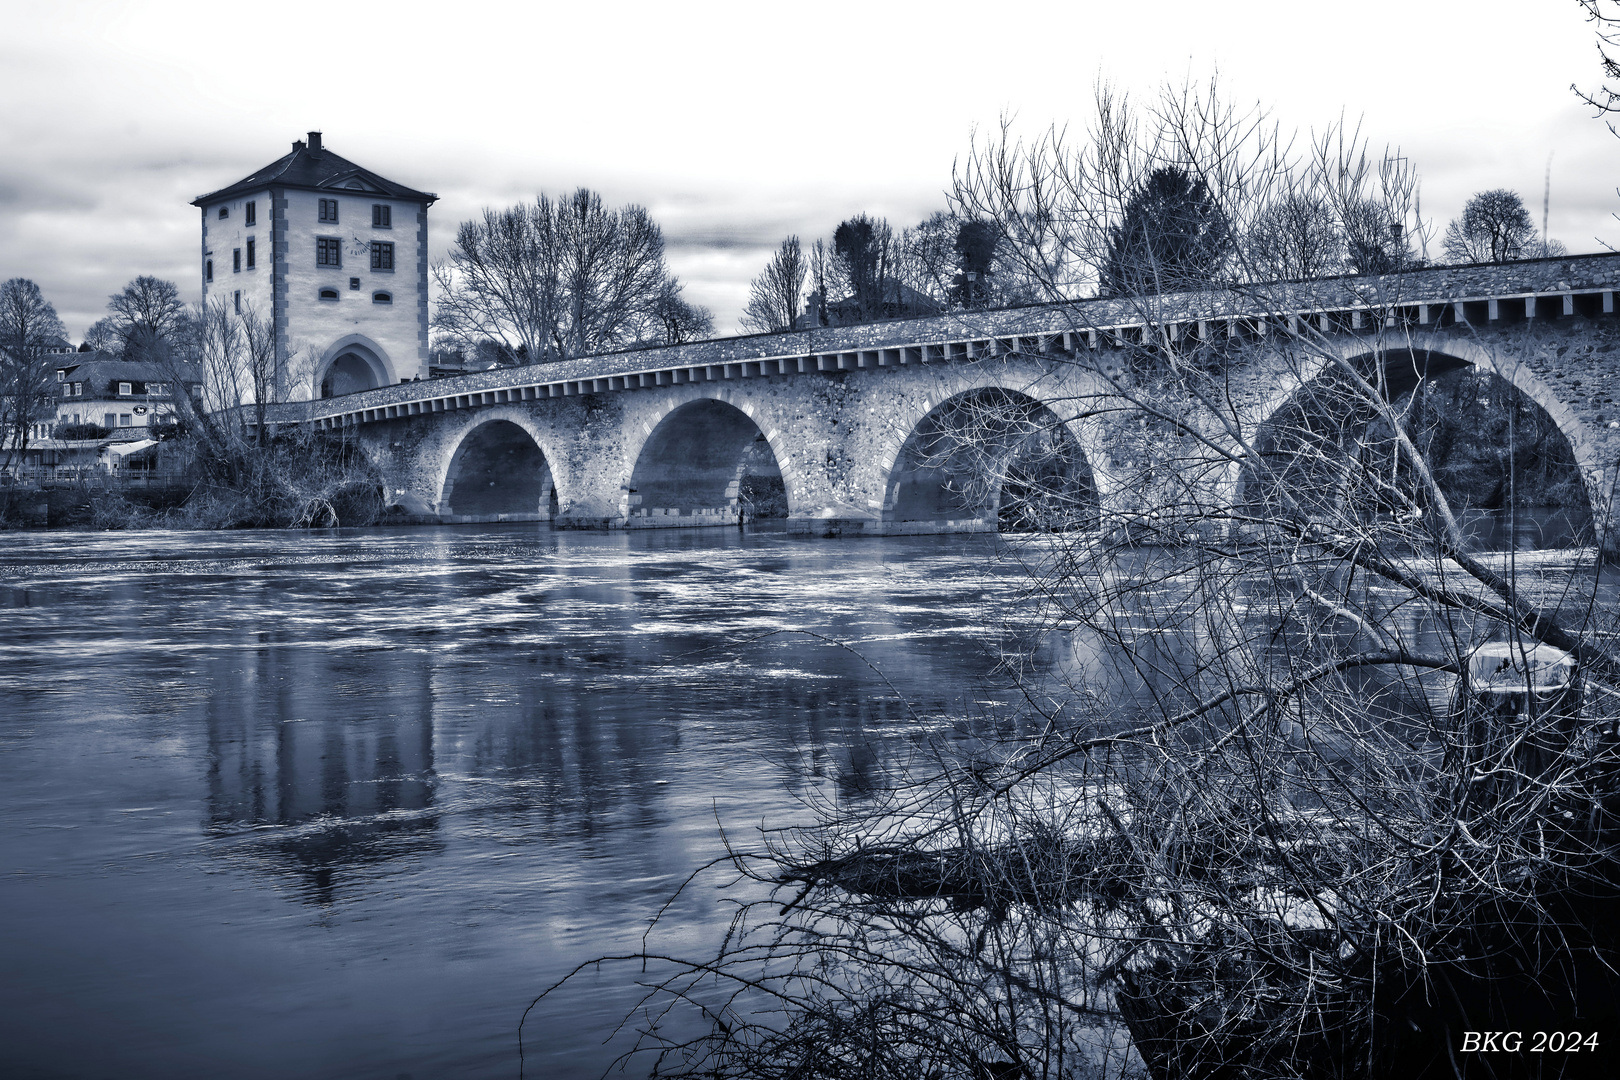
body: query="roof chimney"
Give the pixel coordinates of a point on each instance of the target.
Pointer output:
(315, 142)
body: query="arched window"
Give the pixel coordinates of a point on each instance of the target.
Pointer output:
(382, 298)
(329, 294)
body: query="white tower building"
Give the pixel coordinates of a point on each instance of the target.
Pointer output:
(336, 257)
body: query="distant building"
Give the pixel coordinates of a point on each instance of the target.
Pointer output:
(119, 394)
(899, 302)
(336, 257)
(56, 347)
(102, 415)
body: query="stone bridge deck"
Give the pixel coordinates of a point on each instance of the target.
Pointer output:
(668, 436)
(1477, 295)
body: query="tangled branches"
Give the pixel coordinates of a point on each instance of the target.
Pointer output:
(1314, 784)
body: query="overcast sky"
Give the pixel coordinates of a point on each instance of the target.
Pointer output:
(734, 123)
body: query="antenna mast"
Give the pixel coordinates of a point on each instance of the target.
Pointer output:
(1546, 202)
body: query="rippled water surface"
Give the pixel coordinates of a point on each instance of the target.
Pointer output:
(340, 804)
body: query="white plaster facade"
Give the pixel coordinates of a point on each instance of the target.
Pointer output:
(336, 256)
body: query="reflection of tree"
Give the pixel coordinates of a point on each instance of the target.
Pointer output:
(283, 752)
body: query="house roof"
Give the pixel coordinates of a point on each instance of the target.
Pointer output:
(312, 167)
(49, 349)
(99, 367)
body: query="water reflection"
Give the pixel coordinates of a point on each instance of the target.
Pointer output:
(480, 754)
(283, 750)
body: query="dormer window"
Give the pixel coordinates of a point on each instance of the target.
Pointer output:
(329, 294)
(124, 388)
(382, 217)
(61, 374)
(382, 298)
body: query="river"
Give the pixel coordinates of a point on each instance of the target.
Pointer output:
(339, 804)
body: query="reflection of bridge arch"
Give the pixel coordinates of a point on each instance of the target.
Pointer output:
(498, 472)
(351, 364)
(1405, 368)
(988, 458)
(706, 461)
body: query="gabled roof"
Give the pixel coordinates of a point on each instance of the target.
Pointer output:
(312, 167)
(99, 369)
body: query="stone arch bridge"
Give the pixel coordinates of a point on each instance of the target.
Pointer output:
(835, 425)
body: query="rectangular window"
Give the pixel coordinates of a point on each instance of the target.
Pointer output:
(382, 216)
(238, 300)
(208, 270)
(78, 389)
(125, 420)
(328, 209)
(252, 254)
(108, 419)
(250, 215)
(67, 390)
(382, 255)
(123, 388)
(236, 260)
(328, 251)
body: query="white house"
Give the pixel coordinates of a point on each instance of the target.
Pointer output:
(95, 388)
(336, 257)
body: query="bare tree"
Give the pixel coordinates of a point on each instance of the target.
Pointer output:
(1295, 237)
(28, 328)
(1606, 98)
(1494, 227)
(774, 296)
(1267, 822)
(956, 262)
(554, 279)
(147, 315)
(821, 277)
(926, 257)
(103, 336)
(676, 321)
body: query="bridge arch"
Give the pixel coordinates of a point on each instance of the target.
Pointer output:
(498, 471)
(987, 458)
(351, 364)
(706, 459)
(1597, 475)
